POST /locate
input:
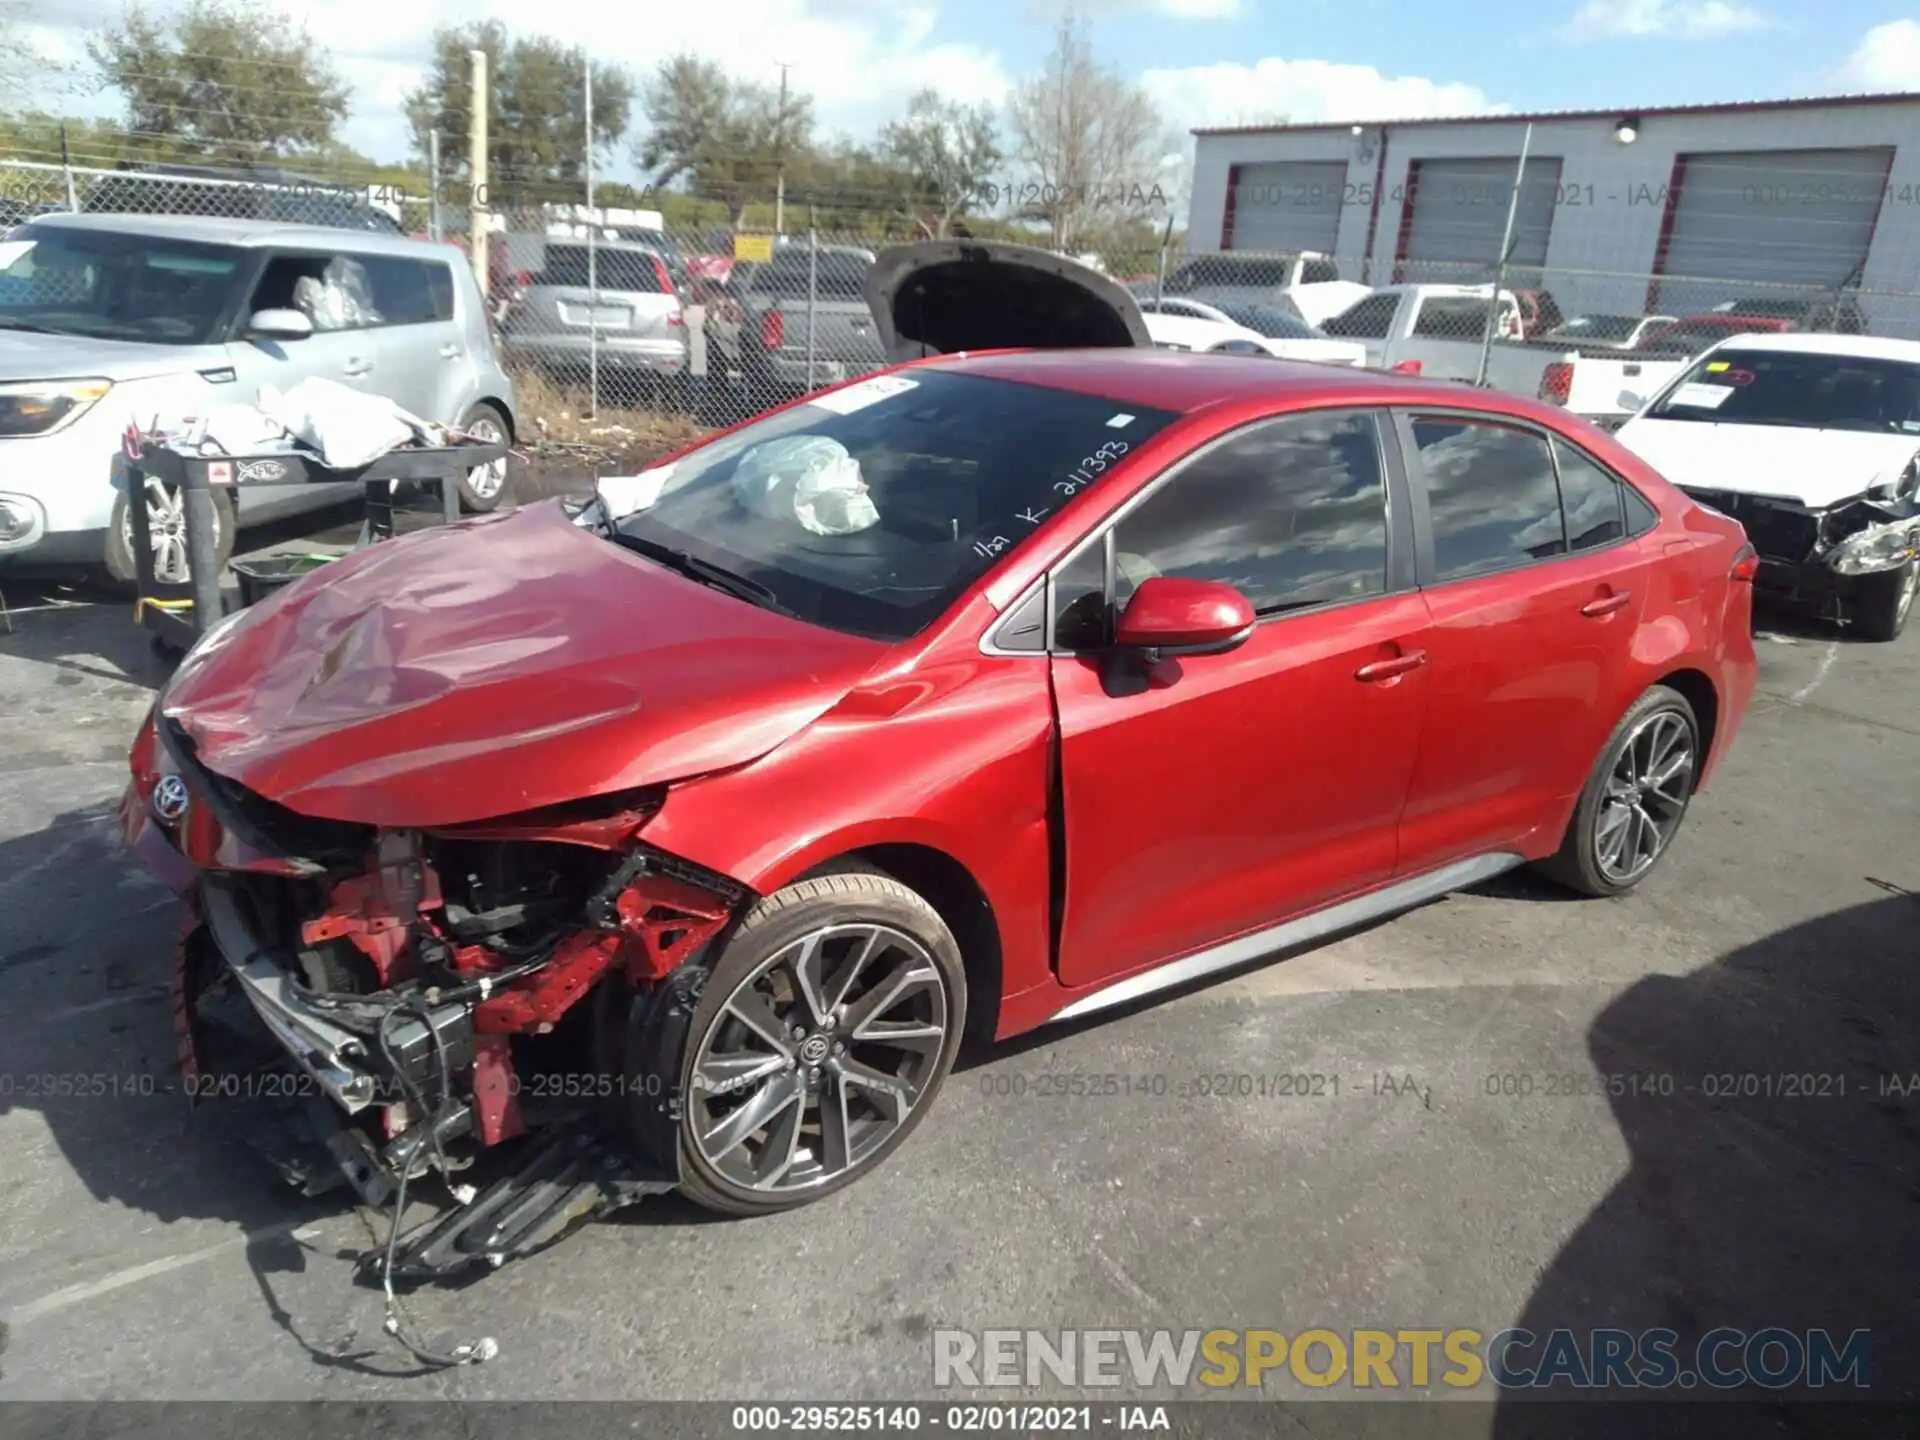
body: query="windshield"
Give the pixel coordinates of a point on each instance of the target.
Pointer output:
(872, 508)
(1781, 387)
(115, 286)
(1273, 324)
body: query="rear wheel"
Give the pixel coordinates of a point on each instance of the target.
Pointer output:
(1634, 800)
(820, 1040)
(1881, 603)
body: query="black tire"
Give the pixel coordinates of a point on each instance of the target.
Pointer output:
(484, 417)
(118, 550)
(1577, 864)
(1880, 604)
(770, 926)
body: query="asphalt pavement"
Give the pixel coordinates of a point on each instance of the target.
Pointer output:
(1459, 1162)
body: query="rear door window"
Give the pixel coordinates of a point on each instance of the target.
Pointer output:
(1369, 320)
(1492, 496)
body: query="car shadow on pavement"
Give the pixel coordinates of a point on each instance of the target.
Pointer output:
(1770, 1106)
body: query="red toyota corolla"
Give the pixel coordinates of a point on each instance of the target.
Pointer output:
(700, 823)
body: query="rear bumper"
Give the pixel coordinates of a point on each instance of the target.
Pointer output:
(660, 357)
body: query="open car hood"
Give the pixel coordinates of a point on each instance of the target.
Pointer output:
(507, 664)
(941, 296)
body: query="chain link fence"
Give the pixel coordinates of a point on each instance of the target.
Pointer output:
(257, 193)
(706, 327)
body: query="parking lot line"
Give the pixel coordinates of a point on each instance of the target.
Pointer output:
(93, 1289)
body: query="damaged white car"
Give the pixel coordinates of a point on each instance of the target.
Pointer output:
(1810, 441)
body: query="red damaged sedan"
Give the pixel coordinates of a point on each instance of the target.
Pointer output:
(687, 832)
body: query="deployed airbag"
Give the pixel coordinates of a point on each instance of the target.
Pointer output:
(807, 478)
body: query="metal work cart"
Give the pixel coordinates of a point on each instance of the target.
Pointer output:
(176, 614)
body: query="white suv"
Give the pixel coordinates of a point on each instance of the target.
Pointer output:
(111, 320)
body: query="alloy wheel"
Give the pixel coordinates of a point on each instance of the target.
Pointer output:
(485, 481)
(818, 1058)
(1646, 794)
(166, 533)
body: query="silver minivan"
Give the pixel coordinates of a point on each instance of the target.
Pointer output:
(622, 297)
(108, 321)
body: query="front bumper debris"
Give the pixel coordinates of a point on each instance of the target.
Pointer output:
(237, 1028)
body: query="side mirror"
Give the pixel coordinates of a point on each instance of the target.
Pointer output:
(1630, 400)
(1171, 616)
(278, 325)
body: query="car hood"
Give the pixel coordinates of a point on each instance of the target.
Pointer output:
(1816, 468)
(495, 666)
(942, 296)
(26, 355)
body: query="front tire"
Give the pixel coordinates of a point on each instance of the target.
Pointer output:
(1634, 800)
(483, 487)
(166, 527)
(1881, 603)
(819, 1043)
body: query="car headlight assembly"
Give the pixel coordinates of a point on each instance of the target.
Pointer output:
(1879, 547)
(42, 407)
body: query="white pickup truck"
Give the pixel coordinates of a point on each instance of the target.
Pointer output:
(1438, 330)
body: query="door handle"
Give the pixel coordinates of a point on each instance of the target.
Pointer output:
(1606, 604)
(1390, 669)
(356, 368)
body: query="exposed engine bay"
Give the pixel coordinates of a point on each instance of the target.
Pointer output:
(503, 1004)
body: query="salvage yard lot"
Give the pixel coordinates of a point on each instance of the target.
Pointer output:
(1450, 1181)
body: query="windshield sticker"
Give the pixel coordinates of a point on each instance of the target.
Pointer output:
(1717, 366)
(190, 265)
(867, 392)
(1697, 396)
(1120, 421)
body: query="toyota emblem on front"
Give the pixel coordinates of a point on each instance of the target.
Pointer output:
(170, 799)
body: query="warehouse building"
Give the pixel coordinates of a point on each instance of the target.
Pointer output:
(1669, 210)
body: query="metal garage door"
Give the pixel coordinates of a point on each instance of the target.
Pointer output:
(1287, 205)
(1782, 217)
(1459, 213)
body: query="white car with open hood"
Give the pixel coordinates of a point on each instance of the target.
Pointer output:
(1810, 441)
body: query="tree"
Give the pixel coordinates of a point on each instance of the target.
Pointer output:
(727, 140)
(1089, 138)
(950, 152)
(223, 80)
(536, 112)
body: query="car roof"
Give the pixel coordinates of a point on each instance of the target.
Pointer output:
(212, 230)
(1859, 347)
(1186, 383)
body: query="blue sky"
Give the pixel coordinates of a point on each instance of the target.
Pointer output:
(1203, 61)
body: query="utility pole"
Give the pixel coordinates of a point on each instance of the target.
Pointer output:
(780, 157)
(593, 271)
(477, 172)
(433, 184)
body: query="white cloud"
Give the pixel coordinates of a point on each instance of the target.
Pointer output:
(1678, 19)
(1303, 92)
(1887, 58)
(1198, 9)
(858, 59)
